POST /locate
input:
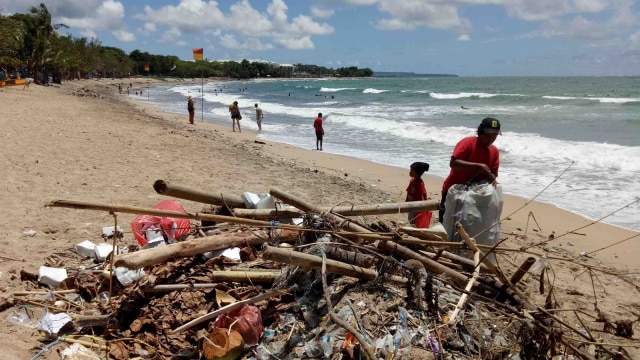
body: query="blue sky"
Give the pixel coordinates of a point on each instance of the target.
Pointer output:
(463, 37)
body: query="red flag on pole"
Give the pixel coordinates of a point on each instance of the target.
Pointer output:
(198, 54)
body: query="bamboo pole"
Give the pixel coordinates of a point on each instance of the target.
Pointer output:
(353, 210)
(308, 261)
(424, 234)
(387, 245)
(186, 193)
(470, 284)
(526, 265)
(143, 258)
(83, 205)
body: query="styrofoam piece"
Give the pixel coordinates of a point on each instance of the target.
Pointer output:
(297, 221)
(101, 251)
(85, 248)
(51, 276)
(250, 200)
(155, 243)
(154, 235)
(109, 230)
(266, 202)
(231, 253)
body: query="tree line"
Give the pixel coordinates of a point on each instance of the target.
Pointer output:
(30, 46)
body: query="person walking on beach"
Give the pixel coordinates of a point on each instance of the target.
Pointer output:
(474, 158)
(416, 190)
(235, 115)
(191, 107)
(258, 117)
(317, 125)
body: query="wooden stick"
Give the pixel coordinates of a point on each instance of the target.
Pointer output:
(526, 265)
(491, 266)
(353, 210)
(73, 204)
(315, 262)
(465, 295)
(254, 278)
(143, 258)
(226, 309)
(25, 293)
(183, 192)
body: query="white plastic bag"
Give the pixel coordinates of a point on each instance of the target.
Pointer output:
(478, 208)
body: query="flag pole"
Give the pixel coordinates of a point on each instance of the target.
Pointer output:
(202, 94)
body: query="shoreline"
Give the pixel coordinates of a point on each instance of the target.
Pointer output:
(106, 148)
(393, 180)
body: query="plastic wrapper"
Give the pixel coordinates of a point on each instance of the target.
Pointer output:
(248, 322)
(174, 229)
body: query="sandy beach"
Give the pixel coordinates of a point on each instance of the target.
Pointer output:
(110, 149)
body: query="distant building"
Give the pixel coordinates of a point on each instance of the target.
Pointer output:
(287, 70)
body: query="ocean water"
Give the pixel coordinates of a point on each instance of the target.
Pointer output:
(578, 136)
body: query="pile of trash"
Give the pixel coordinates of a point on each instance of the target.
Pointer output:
(268, 276)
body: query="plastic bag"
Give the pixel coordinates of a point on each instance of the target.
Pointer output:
(423, 219)
(174, 229)
(478, 208)
(248, 322)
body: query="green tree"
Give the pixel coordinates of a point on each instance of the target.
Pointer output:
(11, 38)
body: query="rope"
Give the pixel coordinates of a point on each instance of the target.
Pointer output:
(46, 348)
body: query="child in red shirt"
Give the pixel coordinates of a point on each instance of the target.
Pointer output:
(416, 190)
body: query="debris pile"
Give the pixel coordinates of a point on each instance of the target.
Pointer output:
(288, 280)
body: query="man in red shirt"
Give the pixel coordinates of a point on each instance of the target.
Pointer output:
(317, 124)
(474, 159)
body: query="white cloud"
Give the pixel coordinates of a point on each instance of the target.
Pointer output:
(243, 26)
(124, 36)
(300, 43)
(411, 14)
(171, 35)
(306, 26)
(464, 37)
(321, 13)
(590, 6)
(149, 28)
(229, 41)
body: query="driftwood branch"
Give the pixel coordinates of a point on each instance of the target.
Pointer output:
(147, 257)
(315, 262)
(183, 192)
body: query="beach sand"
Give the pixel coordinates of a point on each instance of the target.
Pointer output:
(111, 150)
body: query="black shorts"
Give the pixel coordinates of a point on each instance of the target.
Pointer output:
(319, 135)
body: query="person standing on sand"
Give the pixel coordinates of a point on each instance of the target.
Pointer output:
(474, 158)
(317, 125)
(416, 190)
(258, 117)
(235, 115)
(191, 107)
